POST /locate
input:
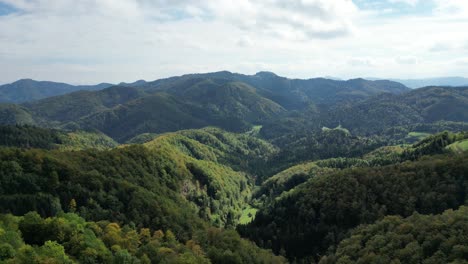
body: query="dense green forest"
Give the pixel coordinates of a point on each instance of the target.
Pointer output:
(176, 182)
(173, 170)
(26, 136)
(68, 238)
(311, 219)
(231, 168)
(416, 239)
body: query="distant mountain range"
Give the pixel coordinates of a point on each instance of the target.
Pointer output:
(227, 100)
(442, 81)
(234, 102)
(28, 90)
(298, 166)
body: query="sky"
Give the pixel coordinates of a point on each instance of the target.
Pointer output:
(93, 41)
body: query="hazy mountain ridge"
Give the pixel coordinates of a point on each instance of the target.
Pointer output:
(424, 82)
(29, 90)
(423, 105)
(294, 93)
(25, 90)
(227, 100)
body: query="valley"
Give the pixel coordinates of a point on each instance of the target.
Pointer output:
(230, 168)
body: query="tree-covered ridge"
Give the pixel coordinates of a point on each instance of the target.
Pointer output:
(79, 140)
(239, 151)
(277, 185)
(289, 109)
(73, 106)
(29, 137)
(288, 179)
(386, 118)
(434, 144)
(25, 136)
(318, 214)
(425, 105)
(312, 161)
(324, 144)
(292, 93)
(68, 238)
(122, 185)
(11, 114)
(220, 190)
(124, 112)
(232, 106)
(175, 177)
(231, 101)
(417, 239)
(28, 90)
(142, 138)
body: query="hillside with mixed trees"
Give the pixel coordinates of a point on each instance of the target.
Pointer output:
(230, 168)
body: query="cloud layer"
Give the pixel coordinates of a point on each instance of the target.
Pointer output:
(123, 40)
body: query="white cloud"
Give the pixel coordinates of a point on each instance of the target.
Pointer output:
(302, 19)
(441, 47)
(462, 61)
(245, 41)
(407, 60)
(452, 8)
(123, 40)
(362, 62)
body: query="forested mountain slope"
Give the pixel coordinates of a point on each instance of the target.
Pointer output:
(176, 181)
(232, 106)
(36, 137)
(425, 105)
(175, 170)
(68, 238)
(11, 114)
(30, 90)
(314, 217)
(352, 129)
(71, 107)
(231, 101)
(419, 238)
(293, 93)
(172, 168)
(124, 112)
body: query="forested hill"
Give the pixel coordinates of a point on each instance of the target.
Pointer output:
(231, 101)
(418, 238)
(430, 110)
(292, 93)
(29, 90)
(185, 183)
(230, 168)
(312, 219)
(166, 199)
(425, 105)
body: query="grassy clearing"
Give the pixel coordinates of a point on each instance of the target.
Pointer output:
(416, 136)
(326, 129)
(254, 132)
(459, 147)
(248, 214)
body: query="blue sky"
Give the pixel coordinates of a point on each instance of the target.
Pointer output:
(90, 41)
(6, 9)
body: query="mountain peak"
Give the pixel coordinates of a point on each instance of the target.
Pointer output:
(266, 74)
(136, 83)
(26, 80)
